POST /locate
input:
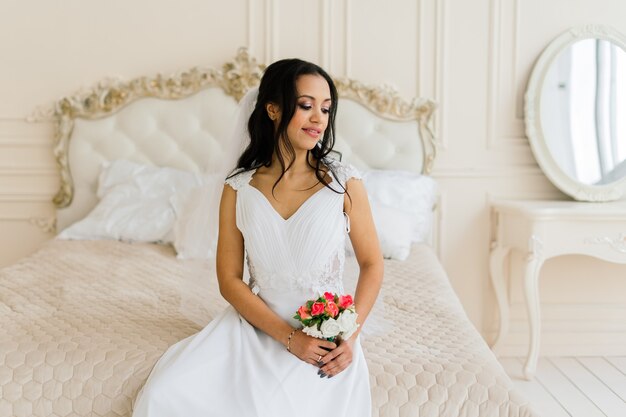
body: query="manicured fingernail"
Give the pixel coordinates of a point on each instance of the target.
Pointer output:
(319, 372)
(322, 375)
(330, 376)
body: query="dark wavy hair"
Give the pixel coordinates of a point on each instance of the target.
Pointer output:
(278, 86)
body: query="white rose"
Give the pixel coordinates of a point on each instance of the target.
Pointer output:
(347, 323)
(313, 332)
(330, 328)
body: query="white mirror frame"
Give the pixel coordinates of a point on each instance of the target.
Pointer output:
(532, 110)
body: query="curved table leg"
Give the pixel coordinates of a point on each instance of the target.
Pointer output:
(496, 269)
(531, 287)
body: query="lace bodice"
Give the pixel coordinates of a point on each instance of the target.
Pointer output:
(328, 277)
(303, 253)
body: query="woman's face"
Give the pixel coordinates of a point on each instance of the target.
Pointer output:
(310, 118)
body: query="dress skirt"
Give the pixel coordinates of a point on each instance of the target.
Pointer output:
(230, 368)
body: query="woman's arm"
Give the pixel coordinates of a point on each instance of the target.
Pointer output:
(370, 259)
(230, 255)
(366, 248)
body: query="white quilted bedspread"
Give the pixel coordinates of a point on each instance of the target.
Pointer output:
(83, 322)
(433, 362)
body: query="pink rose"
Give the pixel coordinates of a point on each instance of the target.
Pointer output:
(317, 309)
(303, 312)
(332, 309)
(329, 296)
(345, 301)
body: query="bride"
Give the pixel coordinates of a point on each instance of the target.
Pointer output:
(286, 209)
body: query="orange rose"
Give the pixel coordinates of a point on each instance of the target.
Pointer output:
(317, 309)
(303, 312)
(332, 309)
(345, 301)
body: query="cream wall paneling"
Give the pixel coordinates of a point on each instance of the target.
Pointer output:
(19, 132)
(44, 58)
(505, 118)
(434, 52)
(25, 154)
(17, 236)
(35, 182)
(27, 168)
(46, 224)
(516, 43)
(382, 49)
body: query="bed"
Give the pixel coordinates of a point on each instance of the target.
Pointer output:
(82, 321)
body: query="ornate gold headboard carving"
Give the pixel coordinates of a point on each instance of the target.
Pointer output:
(385, 102)
(109, 96)
(235, 78)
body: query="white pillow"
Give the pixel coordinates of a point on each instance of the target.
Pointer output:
(195, 230)
(413, 193)
(393, 233)
(402, 207)
(136, 203)
(401, 202)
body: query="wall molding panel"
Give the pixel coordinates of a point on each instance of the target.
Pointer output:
(251, 27)
(504, 128)
(29, 172)
(493, 173)
(420, 80)
(39, 222)
(23, 129)
(438, 226)
(493, 71)
(6, 197)
(271, 31)
(326, 33)
(440, 71)
(335, 38)
(14, 141)
(348, 39)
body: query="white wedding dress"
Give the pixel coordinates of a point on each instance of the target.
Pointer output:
(232, 369)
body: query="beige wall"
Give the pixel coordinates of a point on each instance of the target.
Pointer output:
(473, 57)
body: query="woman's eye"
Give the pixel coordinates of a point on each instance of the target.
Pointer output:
(307, 107)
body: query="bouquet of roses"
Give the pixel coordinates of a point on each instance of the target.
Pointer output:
(328, 317)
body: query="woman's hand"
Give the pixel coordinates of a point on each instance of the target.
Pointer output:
(308, 348)
(337, 359)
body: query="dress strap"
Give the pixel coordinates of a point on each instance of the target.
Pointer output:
(344, 171)
(240, 179)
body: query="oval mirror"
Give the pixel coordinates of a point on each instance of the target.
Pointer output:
(575, 113)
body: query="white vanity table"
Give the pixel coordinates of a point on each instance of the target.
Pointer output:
(571, 109)
(543, 230)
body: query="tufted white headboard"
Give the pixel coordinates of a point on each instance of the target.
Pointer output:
(182, 122)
